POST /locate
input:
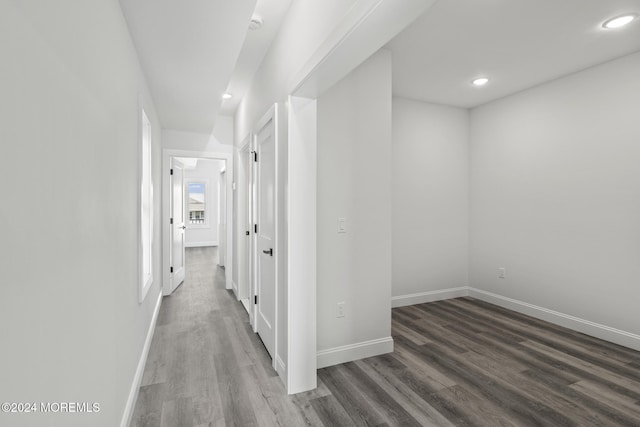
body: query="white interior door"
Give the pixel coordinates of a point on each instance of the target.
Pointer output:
(177, 225)
(266, 256)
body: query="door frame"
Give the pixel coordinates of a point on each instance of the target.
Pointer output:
(244, 201)
(181, 272)
(270, 115)
(253, 240)
(167, 154)
(222, 244)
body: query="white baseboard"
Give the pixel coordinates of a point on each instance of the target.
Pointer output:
(245, 304)
(200, 244)
(137, 378)
(234, 286)
(597, 330)
(281, 369)
(429, 296)
(348, 353)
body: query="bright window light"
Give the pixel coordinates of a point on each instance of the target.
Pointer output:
(196, 194)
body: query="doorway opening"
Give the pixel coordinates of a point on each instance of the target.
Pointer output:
(196, 212)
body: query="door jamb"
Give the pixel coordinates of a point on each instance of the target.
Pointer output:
(167, 154)
(245, 149)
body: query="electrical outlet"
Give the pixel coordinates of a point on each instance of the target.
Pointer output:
(502, 273)
(340, 309)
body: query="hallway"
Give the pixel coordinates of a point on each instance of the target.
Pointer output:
(205, 364)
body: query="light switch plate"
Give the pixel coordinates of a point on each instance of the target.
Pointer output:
(342, 225)
(340, 309)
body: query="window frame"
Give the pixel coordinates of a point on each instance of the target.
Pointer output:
(207, 195)
(145, 206)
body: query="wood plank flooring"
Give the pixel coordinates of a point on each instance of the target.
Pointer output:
(459, 362)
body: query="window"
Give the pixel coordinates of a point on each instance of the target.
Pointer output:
(146, 208)
(196, 195)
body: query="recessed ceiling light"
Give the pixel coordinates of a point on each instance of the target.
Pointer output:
(256, 22)
(620, 21)
(480, 81)
(227, 96)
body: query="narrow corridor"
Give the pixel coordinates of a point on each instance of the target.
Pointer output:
(205, 364)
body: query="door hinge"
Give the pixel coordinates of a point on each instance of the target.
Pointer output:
(255, 299)
(171, 221)
(171, 270)
(255, 228)
(171, 172)
(255, 156)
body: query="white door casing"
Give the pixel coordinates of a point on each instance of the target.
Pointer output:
(167, 156)
(177, 225)
(266, 235)
(222, 218)
(243, 221)
(253, 241)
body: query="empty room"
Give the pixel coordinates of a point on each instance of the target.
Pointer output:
(323, 213)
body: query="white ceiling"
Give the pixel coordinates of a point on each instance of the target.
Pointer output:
(192, 52)
(516, 43)
(188, 51)
(256, 45)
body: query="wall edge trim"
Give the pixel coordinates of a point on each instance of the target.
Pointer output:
(607, 333)
(429, 296)
(356, 351)
(137, 378)
(281, 368)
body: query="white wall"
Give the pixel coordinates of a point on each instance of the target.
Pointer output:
(224, 129)
(72, 328)
(301, 244)
(430, 201)
(207, 171)
(555, 195)
(354, 182)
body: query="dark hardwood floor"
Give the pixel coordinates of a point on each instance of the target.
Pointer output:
(459, 362)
